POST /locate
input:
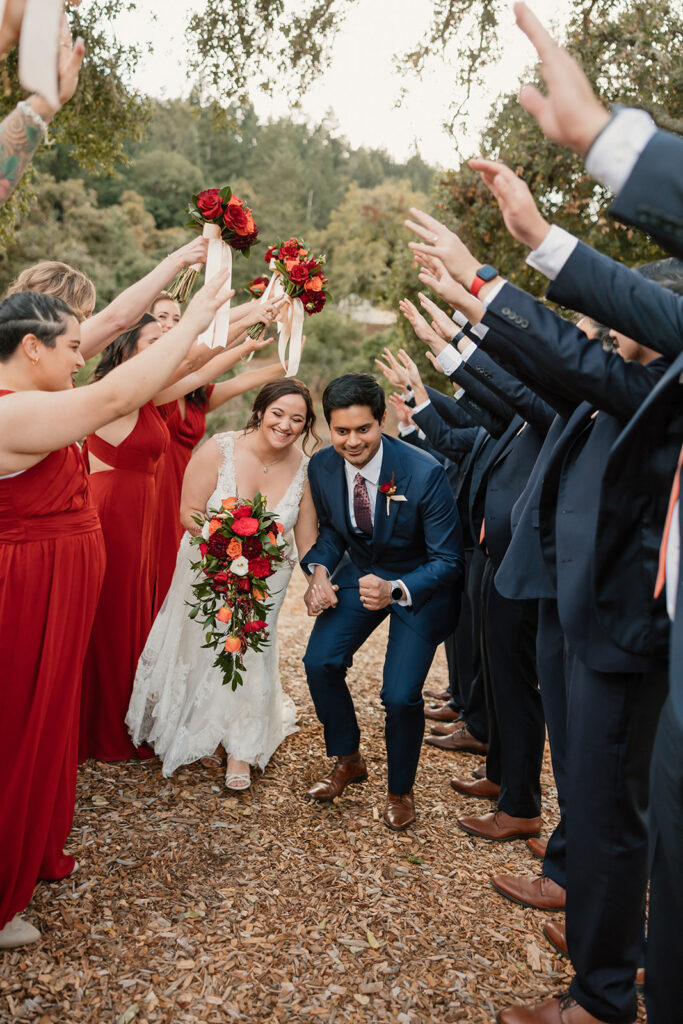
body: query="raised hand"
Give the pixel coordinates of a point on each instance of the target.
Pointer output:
(435, 363)
(411, 369)
(455, 295)
(192, 252)
(571, 113)
(393, 371)
(403, 412)
(441, 321)
(520, 213)
(422, 329)
(443, 243)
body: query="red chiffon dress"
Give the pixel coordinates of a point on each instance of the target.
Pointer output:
(185, 435)
(125, 497)
(51, 568)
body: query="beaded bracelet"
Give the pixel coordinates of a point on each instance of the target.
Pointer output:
(27, 110)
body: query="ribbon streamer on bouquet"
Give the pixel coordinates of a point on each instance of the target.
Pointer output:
(218, 257)
(39, 47)
(290, 323)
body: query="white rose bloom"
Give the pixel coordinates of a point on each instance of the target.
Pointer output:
(239, 566)
(205, 530)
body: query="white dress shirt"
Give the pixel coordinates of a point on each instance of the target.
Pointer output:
(673, 556)
(616, 150)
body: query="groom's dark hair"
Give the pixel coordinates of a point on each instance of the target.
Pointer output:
(354, 389)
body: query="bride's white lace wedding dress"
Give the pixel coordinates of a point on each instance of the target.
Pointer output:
(179, 705)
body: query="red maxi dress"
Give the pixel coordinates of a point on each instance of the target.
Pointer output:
(185, 435)
(125, 497)
(52, 563)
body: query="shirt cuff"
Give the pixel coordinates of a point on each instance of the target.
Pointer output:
(405, 430)
(421, 406)
(458, 394)
(459, 318)
(553, 252)
(488, 298)
(449, 359)
(616, 150)
(406, 601)
(471, 348)
(315, 565)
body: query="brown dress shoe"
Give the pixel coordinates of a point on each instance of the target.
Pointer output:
(437, 694)
(564, 1010)
(443, 714)
(541, 892)
(460, 739)
(499, 826)
(480, 772)
(538, 847)
(483, 788)
(556, 935)
(343, 774)
(399, 811)
(445, 728)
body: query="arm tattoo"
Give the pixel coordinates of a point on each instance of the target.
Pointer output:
(19, 139)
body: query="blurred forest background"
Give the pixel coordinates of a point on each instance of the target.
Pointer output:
(108, 194)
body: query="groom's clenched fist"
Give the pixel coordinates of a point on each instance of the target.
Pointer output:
(375, 593)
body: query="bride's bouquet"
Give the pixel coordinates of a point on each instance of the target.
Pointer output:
(241, 545)
(218, 214)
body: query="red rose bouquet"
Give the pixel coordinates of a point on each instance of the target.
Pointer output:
(300, 275)
(240, 546)
(227, 217)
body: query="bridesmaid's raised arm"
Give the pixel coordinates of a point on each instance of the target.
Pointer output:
(40, 355)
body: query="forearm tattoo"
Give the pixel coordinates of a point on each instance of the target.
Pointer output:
(19, 139)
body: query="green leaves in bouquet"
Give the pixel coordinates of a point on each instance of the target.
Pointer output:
(225, 193)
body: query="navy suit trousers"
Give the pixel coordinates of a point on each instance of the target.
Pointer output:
(550, 661)
(475, 711)
(336, 636)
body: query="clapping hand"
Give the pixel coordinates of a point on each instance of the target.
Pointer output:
(520, 213)
(403, 411)
(571, 113)
(422, 329)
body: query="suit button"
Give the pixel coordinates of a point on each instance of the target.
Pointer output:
(505, 311)
(524, 323)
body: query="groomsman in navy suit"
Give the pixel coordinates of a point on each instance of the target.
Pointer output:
(390, 544)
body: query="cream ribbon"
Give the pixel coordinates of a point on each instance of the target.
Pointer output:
(290, 323)
(218, 257)
(39, 47)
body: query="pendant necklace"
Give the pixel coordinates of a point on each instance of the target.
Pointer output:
(273, 463)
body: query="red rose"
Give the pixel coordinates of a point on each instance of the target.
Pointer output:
(242, 511)
(203, 548)
(251, 548)
(237, 218)
(260, 567)
(210, 204)
(271, 254)
(218, 545)
(385, 488)
(290, 250)
(244, 585)
(246, 527)
(315, 302)
(298, 273)
(255, 627)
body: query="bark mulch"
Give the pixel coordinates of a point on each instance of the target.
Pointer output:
(193, 905)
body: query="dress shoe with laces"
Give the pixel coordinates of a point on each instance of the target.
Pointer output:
(480, 772)
(483, 788)
(461, 739)
(538, 847)
(499, 827)
(399, 811)
(445, 728)
(18, 932)
(564, 1010)
(346, 771)
(442, 714)
(437, 694)
(539, 892)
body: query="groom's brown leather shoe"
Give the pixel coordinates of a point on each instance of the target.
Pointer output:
(443, 714)
(556, 1011)
(483, 788)
(346, 770)
(540, 891)
(399, 811)
(460, 739)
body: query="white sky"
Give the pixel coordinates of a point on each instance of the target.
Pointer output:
(361, 86)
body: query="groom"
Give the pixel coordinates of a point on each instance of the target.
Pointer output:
(389, 544)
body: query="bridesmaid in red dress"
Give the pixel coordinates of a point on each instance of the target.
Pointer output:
(186, 421)
(51, 569)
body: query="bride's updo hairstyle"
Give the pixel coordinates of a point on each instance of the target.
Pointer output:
(272, 393)
(60, 280)
(30, 313)
(122, 348)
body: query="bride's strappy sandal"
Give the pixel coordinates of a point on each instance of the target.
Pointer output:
(238, 780)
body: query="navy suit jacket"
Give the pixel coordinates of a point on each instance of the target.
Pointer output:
(517, 395)
(467, 412)
(419, 541)
(652, 198)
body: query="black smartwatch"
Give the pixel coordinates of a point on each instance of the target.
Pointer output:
(397, 592)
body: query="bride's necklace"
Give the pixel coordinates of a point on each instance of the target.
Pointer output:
(267, 465)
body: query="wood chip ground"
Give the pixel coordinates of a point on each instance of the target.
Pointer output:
(192, 905)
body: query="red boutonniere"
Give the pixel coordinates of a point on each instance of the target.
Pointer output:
(389, 490)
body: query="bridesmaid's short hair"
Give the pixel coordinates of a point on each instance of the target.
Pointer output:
(273, 392)
(60, 280)
(31, 313)
(121, 348)
(354, 389)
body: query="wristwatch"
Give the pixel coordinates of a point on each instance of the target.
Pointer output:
(484, 274)
(396, 591)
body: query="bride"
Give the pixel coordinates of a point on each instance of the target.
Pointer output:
(179, 705)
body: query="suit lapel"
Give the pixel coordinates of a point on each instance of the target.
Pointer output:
(391, 466)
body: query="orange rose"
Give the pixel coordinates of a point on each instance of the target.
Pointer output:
(314, 284)
(289, 264)
(233, 644)
(258, 594)
(271, 538)
(214, 524)
(234, 548)
(280, 528)
(228, 503)
(224, 614)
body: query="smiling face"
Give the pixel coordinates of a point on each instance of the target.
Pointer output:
(356, 434)
(56, 368)
(283, 421)
(167, 312)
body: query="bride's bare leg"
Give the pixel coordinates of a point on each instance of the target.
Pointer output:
(238, 774)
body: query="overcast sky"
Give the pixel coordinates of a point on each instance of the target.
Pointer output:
(361, 85)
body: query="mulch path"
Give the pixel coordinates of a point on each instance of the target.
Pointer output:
(193, 905)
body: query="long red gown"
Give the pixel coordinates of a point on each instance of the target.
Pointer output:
(185, 435)
(125, 497)
(52, 563)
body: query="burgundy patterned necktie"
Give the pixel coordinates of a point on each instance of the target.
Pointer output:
(361, 505)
